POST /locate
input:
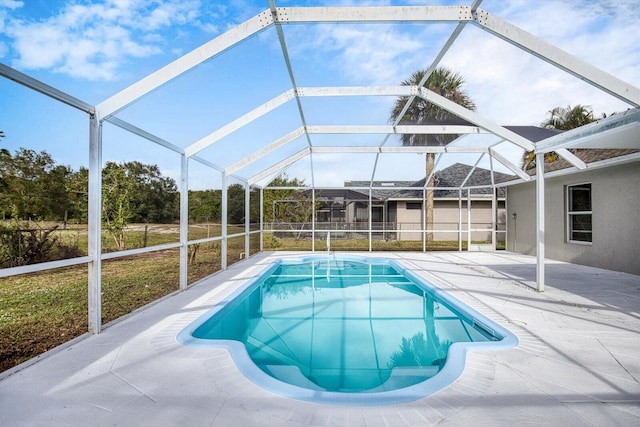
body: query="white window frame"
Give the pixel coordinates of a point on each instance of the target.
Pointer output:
(570, 213)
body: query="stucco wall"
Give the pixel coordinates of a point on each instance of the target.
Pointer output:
(615, 196)
(445, 217)
(408, 219)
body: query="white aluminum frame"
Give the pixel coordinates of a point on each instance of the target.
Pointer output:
(622, 128)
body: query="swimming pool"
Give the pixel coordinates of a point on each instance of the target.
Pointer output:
(346, 330)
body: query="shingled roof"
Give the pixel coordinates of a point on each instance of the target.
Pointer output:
(452, 176)
(589, 155)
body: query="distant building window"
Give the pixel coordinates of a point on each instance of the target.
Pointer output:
(414, 205)
(579, 213)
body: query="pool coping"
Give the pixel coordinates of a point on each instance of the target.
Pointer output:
(452, 370)
(577, 362)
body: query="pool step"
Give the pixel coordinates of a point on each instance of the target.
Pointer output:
(407, 376)
(271, 352)
(291, 375)
(352, 380)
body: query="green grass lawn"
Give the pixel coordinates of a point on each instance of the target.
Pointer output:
(40, 311)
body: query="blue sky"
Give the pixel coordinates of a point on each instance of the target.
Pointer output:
(93, 49)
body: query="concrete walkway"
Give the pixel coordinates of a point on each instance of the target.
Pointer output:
(577, 364)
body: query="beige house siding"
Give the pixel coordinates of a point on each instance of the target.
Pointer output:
(615, 205)
(408, 219)
(446, 220)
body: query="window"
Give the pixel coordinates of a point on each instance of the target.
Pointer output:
(579, 213)
(414, 205)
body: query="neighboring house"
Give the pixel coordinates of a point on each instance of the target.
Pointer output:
(397, 205)
(590, 215)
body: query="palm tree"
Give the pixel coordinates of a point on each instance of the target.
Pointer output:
(569, 118)
(448, 84)
(560, 118)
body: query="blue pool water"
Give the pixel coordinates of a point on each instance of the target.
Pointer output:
(346, 330)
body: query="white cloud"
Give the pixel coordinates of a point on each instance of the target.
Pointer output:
(11, 4)
(507, 83)
(511, 86)
(361, 54)
(370, 54)
(95, 41)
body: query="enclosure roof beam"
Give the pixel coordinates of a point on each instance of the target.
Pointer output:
(557, 57)
(185, 63)
(452, 38)
(509, 165)
(432, 173)
(291, 136)
(433, 149)
(415, 149)
(414, 90)
(279, 166)
(238, 123)
(471, 171)
(368, 14)
(144, 134)
(45, 89)
(388, 129)
(207, 163)
(358, 91)
(475, 118)
(287, 60)
(616, 131)
(266, 184)
(493, 173)
(283, 98)
(571, 158)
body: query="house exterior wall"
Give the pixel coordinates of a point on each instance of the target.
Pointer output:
(615, 205)
(408, 219)
(445, 217)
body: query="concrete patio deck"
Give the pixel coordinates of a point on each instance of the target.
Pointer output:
(578, 361)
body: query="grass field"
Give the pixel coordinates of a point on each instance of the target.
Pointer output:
(40, 311)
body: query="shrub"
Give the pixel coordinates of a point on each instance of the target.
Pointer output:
(24, 245)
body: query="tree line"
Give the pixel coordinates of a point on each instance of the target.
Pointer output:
(34, 187)
(37, 194)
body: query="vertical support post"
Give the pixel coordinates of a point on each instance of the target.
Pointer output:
(468, 219)
(494, 208)
(459, 220)
(261, 219)
(95, 224)
(223, 218)
(540, 208)
(506, 219)
(494, 218)
(385, 218)
(370, 220)
(424, 218)
(184, 221)
(313, 219)
(247, 220)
